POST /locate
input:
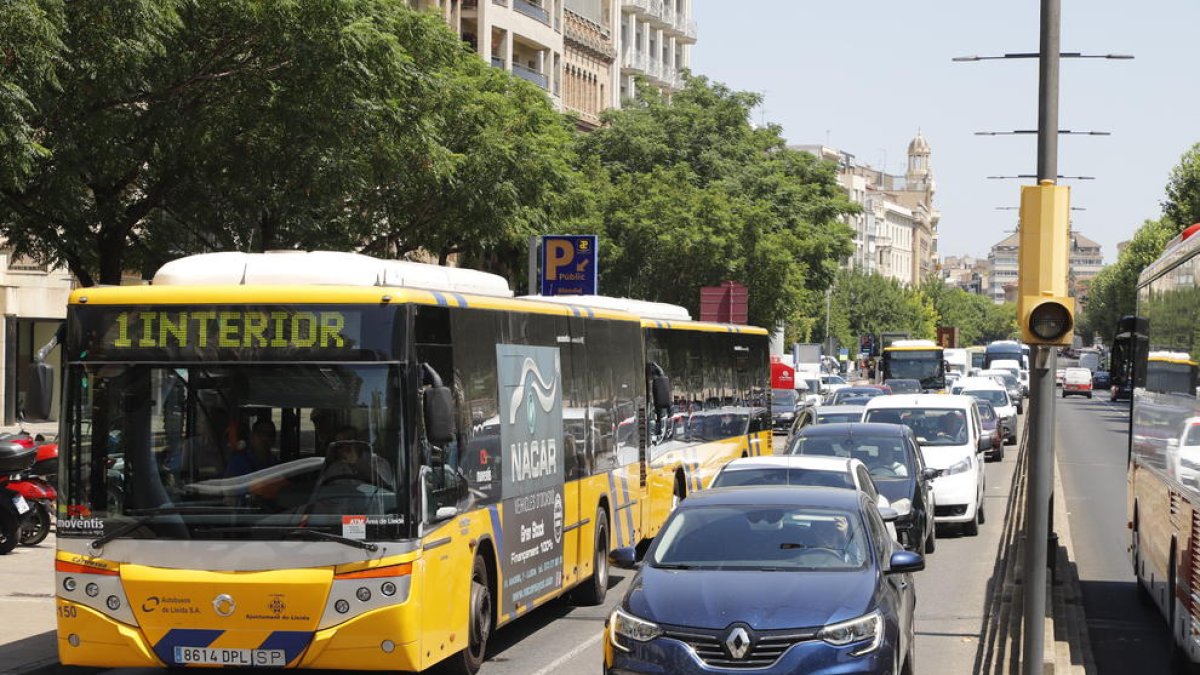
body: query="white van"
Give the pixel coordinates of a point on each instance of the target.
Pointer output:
(952, 441)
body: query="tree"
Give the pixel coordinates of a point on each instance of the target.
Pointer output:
(864, 304)
(687, 194)
(1113, 292)
(30, 50)
(1182, 206)
(978, 319)
(249, 124)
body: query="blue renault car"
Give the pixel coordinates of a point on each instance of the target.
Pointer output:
(770, 579)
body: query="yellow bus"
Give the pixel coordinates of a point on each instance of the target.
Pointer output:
(323, 460)
(920, 360)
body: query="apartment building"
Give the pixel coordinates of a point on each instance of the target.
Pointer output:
(896, 233)
(591, 73)
(655, 42)
(524, 37)
(1085, 261)
(33, 303)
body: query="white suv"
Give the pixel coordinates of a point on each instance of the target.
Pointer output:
(952, 441)
(989, 390)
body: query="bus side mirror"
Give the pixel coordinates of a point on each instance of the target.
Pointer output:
(39, 397)
(439, 415)
(660, 391)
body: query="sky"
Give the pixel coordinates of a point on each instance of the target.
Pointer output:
(865, 76)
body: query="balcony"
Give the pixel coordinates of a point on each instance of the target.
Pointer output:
(635, 60)
(686, 28)
(530, 75)
(498, 62)
(531, 10)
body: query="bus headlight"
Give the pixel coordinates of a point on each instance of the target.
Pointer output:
(625, 625)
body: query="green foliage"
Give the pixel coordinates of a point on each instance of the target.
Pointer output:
(871, 303)
(177, 126)
(686, 193)
(1113, 292)
(1182, 206)
(30, 50)
(978, 319)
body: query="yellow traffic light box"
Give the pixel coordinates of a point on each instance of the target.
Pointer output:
(1045, 309)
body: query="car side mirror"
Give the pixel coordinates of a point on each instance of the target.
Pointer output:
(929, 474)
(985, 444)
(905, 561)
(888, 514)
(624, 558)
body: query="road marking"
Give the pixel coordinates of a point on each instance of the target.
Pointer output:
(554, 665)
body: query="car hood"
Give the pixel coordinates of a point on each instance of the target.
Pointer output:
(944, 456)
(765, 600)
(903, 488)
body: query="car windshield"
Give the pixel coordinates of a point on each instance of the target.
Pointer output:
(904, 386)
(235, 451)
(932, 426)
(833, 379)
(987, 413)
(783, 398)
(996, 397)
(782, 475)
(753, 537)
(884, 456)
(1193, 435)
(856, 394)
(838, 417)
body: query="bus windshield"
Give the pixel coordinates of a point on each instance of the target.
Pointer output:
(923, 365)
(192, 451)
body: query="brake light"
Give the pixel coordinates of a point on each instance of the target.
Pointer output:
(400, 570)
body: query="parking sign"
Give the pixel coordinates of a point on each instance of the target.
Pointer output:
(569, 264)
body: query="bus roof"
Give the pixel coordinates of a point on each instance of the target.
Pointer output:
(1182, 358)
(324, 268)
(912, 345)
(642, 308)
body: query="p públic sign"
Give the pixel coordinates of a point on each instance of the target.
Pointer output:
(569, 264)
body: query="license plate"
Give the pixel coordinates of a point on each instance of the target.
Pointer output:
(264, 658)
(21, 504)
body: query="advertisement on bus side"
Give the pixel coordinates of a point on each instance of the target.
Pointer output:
(531, 433)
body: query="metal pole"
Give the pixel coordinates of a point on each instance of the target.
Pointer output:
(534, 288)
(1041, 405)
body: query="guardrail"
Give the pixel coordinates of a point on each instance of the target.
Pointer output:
(530, 75)
(531, 10)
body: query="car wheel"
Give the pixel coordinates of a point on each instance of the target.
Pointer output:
(910, 660)
(931, 541)
(1089, 395)
(980, 516)
(1000, 453)
(971, 529)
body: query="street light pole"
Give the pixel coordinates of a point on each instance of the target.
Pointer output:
(1041, 409)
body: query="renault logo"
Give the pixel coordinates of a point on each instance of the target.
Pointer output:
(738, 642)
(223, 604)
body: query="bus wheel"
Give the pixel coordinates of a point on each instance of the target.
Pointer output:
(479, 618)
(592, 591)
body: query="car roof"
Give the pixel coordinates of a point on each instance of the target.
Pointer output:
(934, 401)
(822, 409)
(979, 383)
(816, 462)
(792, 495)
(852, 428)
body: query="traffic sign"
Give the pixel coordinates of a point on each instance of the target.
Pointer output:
(569, 264)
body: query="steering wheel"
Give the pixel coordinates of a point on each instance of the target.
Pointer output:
(883, 471)
(826, 552)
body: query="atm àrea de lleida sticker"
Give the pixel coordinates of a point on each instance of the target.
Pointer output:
(354, 527)
(532, 468)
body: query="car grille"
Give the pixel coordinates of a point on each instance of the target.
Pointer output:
(766, 648)
(954, 510)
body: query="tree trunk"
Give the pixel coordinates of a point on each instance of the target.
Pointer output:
(112, 260)
(268, 231)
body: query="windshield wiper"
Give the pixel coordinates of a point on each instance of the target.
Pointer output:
(673, 566)
(143, 516)
(329, 536)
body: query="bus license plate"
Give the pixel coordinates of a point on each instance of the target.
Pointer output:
(21, 504)
(263, 658)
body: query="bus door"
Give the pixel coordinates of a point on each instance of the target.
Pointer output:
(580, 437)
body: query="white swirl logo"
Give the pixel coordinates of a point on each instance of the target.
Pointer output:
(532, 387)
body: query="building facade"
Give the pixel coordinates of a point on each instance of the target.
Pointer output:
(590, 71)
(971, 274)
(33, 299)
(655, 43)
(524, 37)
(1084, 263)
(896, 233)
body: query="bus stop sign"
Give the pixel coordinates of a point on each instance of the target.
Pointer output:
(569, 264)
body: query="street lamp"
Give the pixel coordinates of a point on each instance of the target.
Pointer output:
(1034, 55)
(1022, 176)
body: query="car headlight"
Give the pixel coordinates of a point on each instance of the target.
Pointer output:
(865, 628)
(787, 415)
(626, 625)
(902, 507)
(961, 466)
